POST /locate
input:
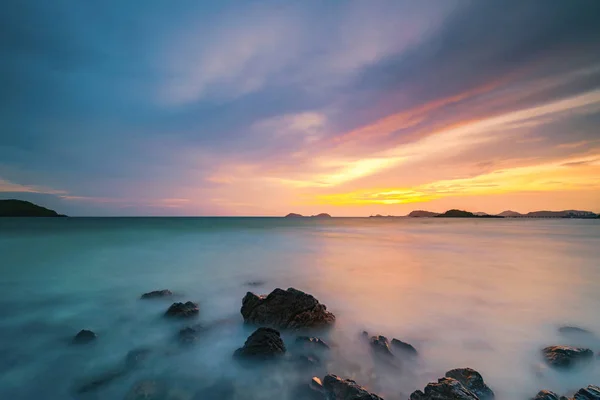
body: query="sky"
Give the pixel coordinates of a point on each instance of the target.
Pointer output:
(267, 107)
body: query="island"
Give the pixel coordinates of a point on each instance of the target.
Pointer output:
(22, 208)
(319, 216)
(464, 214)
(422, 214)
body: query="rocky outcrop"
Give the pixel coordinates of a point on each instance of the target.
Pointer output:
(84, 336)
(381, 346)
(264, 343)
(403, 347)
(312, 342)
(155, 294)
(22, 208)
(444, 389)
(285, 309)
(548, 395)
(472, 381)
(566, 356)
(592, 392)
(337, 388)
(183, 310)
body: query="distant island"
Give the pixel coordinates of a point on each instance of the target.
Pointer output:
(320, 216)
(465, 214)
(505, 214)
(422, 214)
(22, 208)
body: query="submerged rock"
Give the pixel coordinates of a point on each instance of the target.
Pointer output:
(286, 309)
(566, 356)
(306, 361)
(147, 390)
(444, 389)
(100, 381)
(157, 294)
(472, 381)
(136, 357)
(264, 343)
(313, 342)
(404, 347)
(312, 391)
(183, 310)
(190, 334)
(592, 392)
(84, 336)
(337, 388)
(381, 346)
(548, 395)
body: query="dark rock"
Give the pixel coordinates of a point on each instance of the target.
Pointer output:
(147, 390)
(364, 334)
(472, 381)
(101, 381)
(306, 361)
(565, 356)
(312, 391)
(381, 346)
(286, 309)
(136, 357)
(156, 294)
(548, 395)
(223, 389)
(190, 334)
(403, 346)
(84, 336)
(183, 310)
(346, 389)
(573, 330)
(313, 342)
(590, 393)
(264, 343)
(444, 389)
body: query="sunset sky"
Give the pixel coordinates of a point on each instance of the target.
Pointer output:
(264, 108)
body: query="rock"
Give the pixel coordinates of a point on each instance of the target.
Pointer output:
(346, 389)
(136, 357)
(147, 390)
(264, 343)
(313, 342)
(100, 381)
(312, 391)
(566, 356)
(182, 310)
(190, 334)
(286, 309)
(472, 381)
(84, 336)
(567, 330)
(306, 361)
(444, 389)
(364, 334)
(548, 395)
(590, 393)
(222, 389)
(403, 346)
(157, 294)
(381, 346)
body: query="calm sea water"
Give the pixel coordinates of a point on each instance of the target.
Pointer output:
(487, 294)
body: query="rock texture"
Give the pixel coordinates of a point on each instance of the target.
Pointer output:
(444, 389)
(404, 347)
(264, 343)
(346, 389)
(590, 393)
(183, 310)
(565, 356)
(472, 381)
(312, 342)
(285, 309)
(548, 395)
(84, 336)
(381, 346)
(157, 294)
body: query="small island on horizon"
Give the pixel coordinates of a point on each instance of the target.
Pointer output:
(22, 208)
(320, 216)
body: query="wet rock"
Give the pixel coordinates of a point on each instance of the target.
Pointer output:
(157, 294)
(147, 390)
(84, 336)
(592, 392)
(136, 357)
(223, 389)
(313, 342)
(548, 395)
(286, 309)
(444, 389)
(404, 347)
(264, 343)
(472, 381)
(183, 310)
(190, 334)
(312, 391)
(381, 346)
(566, 356)
(337, 388)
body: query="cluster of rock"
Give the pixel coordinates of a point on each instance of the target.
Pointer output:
(293, 311)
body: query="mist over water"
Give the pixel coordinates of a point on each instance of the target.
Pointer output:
(487, 294)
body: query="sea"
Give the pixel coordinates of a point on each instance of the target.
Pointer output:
(487, 294)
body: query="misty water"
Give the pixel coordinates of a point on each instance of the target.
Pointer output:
(488, 294)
